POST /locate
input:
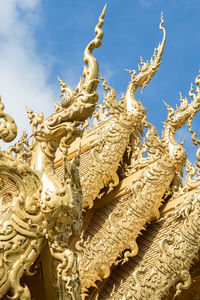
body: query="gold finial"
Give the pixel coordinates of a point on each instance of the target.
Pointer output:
(132, 73)
(161, 20)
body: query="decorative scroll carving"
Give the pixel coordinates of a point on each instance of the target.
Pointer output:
(8, 129)
(193, 173)
(21, 235)
(42, 206)
(45, 207)
(125, 120)
(78, 105)
(176, 255)
(125, 223)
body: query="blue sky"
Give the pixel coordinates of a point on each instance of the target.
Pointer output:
(40, 39)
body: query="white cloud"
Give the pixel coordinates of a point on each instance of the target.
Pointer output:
(23, 74)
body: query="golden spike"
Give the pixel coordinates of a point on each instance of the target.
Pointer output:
(169, 108)
(147, 71)
(91, 71)
(62, 83)
(132, 72)
(197, 80)
(183, 142)
(162, 19)
(57, 106)
(141, 60)
(195, 141)
(191, 94)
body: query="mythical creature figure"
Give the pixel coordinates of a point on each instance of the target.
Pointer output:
(177, 250)
(119, 122)
(176, 255)
(37, 206)
(43, 206)
(126, 119)
(125, 223)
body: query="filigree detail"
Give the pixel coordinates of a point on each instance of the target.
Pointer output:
(8, 129)
(176, 254)
(22, 151)
(61, 201)
(126, 119)
(46, 207)
(192, 179)
(43, 206)
(21, 227)
(152, 146)
(100, 115)
(80, 104)
(147, 194)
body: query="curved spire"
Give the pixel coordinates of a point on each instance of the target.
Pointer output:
(91, 72)
(80, 103)
(146, 71)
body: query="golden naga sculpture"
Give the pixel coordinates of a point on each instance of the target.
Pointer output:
(125, 223)
(177, 252)
(179, 247)
(43, 206)
(39, 207)
(126, 117)
(119, 122)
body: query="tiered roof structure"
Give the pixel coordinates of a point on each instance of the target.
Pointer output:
(101, 213)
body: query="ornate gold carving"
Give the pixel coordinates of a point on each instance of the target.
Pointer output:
(118, 122)
(176, 254)
(125, 223)
(42, 206)
(21, 233)
(8, 129)
(45, 207)
(78, 105)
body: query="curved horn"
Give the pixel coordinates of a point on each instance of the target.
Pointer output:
(80, 104)
(91, 72)
(146, 71)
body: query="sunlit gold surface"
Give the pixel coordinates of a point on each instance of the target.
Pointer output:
(44, 206)
(118, 173)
